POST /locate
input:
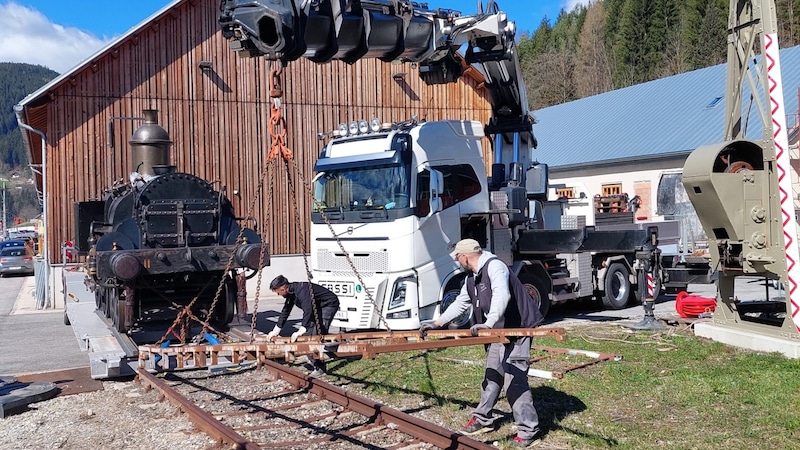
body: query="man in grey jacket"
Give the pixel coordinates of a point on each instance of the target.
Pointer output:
(498, 301)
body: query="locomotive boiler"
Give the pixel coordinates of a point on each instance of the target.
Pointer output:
(163, 240)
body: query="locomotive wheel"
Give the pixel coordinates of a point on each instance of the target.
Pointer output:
(117, 310)
(104, 303)
(226, 307)
(98, 298)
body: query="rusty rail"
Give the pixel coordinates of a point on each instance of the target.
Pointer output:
(550, 374)
(366, 345)
(203, 420)
(378, 413)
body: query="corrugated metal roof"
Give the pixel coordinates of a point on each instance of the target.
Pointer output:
(663, 117)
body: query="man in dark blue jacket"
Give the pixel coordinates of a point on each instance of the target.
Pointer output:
(318, 304)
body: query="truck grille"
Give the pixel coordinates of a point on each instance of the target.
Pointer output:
(366, 263)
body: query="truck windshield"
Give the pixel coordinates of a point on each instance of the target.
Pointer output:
(381, 187)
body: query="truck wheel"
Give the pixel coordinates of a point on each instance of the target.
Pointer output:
(464, 319)
(538, 293)
(66, 319)
(617, 287)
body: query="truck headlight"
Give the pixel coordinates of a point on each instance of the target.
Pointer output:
(398, 296)
(404, 293)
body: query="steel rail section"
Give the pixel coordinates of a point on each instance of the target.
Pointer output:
(550, 374)
(378, 413)
(366, 345)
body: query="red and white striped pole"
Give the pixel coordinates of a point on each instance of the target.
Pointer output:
(782, 163)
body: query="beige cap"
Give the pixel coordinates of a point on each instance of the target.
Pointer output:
(466, 246)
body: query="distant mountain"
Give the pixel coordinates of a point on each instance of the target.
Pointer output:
(17, 80)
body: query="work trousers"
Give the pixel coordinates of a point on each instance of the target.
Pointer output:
(507, 368)
(326, 319)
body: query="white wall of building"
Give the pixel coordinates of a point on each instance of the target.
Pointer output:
(633, 183)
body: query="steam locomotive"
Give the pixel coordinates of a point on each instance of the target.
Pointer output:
(163, 240)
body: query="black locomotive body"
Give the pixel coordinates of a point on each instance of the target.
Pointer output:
(164, 240)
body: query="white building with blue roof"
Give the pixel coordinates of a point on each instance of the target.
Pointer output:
(626, 141)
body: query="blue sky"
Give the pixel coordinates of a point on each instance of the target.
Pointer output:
(60, 33)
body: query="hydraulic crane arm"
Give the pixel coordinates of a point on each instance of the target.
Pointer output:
(390, 30)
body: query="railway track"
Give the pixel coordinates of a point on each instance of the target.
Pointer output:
(278, 407)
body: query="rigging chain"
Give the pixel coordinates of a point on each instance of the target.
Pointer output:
(278, 134)
(278, 146)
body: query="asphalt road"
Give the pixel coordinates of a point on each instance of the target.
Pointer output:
(35, 341)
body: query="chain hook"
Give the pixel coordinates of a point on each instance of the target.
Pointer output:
(277, 121)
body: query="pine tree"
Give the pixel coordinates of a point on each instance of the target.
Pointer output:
(594, 67)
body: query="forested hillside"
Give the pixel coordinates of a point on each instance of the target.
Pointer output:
(17, 81)
(612, 44)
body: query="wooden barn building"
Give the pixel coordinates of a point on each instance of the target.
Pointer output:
(216, 107)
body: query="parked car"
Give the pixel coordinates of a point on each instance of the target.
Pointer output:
(33, 245)
(23, 234)
(12, 243)
(16, 260)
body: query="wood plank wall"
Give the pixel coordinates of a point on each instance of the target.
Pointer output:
(218, 118)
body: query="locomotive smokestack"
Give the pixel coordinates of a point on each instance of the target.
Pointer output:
(150, 146)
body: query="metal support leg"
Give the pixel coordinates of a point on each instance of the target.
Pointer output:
(649, 268)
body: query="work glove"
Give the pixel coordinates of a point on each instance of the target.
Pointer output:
(271, 335)
(477, 327)
(425, 326)
(298, 333)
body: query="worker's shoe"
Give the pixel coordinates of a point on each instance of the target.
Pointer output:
(317, 373)
(519, 442)
(474, 427)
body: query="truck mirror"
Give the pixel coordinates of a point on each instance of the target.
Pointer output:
(536, 182)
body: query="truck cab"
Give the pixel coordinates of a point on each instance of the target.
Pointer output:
(385, 202)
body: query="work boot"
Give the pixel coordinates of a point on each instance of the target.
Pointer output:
(474, 427)
(519, 442)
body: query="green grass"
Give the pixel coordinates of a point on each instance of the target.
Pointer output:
(669, 390)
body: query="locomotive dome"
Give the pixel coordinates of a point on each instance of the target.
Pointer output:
(150, 146)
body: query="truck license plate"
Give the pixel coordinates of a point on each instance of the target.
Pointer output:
(340, 288)
(340, 315)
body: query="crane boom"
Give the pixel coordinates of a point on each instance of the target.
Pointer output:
(391, 30)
